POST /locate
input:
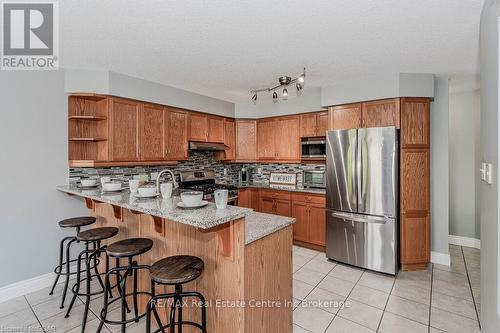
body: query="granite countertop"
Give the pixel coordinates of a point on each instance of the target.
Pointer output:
(260, 225)
(257, 225)
(290, 188)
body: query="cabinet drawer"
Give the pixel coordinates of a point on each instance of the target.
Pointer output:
(273, 194)
(309, 197)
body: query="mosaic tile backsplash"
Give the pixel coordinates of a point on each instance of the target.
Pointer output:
(198, 160)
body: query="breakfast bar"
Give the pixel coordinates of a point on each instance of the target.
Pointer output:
(247, 280)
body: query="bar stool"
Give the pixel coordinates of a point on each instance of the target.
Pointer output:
(127, 249)
(65, 261)
(94, 236)
(176, 271)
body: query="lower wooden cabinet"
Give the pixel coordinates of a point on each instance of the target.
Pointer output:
(300, 211)
(415, 241)
(309, 210)
(275, 202)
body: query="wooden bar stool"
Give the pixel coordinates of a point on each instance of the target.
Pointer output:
(94, 236)
(65, 261)
(176, 271)
(125, 249)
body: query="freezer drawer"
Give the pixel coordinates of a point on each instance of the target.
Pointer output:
(360, 240)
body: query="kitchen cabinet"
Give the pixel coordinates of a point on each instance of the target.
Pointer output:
(152, 133)
(381, 113)
(246, 140)
(244, 197)
(275, 202)
(206, 128)
(124, 128)
(176, 129)
(309, 211)
(344, 117)
(278, 139)
(313, 124)
(229, 140)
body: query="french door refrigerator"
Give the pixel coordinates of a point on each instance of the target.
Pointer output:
(362, 198)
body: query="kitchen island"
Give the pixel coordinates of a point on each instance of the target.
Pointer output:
(248, 256)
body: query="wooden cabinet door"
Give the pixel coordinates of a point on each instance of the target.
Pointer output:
(124, 128)
(308, 125)
(152, 133)
(176, 134)
(345, 117)
(198, 127)
(287, 139)
(415, 122)
(244, 197)
(317, 224)
(300, 212)
(255, 199)
(230, 139)
(267, 205)
(381, 113)
(415, 239)
(283, 208)
(266, 132)
(246, 140)
(414, 182)
(215, 131)
(321, 123)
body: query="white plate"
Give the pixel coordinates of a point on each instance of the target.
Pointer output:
(137, 195)
(202, 204)
(110, 191)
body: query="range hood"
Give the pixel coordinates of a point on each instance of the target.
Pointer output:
(207, 146)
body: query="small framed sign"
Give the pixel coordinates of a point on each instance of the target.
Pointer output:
(283, 178)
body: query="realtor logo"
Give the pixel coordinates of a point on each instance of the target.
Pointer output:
(30, 35)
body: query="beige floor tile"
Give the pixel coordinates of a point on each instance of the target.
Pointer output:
(325, 300)
(312, 319)
(319, 265)
(346, 273)
(19, 319)
(451, 289)
(65, 324)
(92, 327)
(369, 296)
(451, 277)
(308, 253)
(42, 295)
(452, 323)
(453, 304)
(420, 284)
(308, 276)
(455, 268)
(299, 260)
(407, 290)
(424, 275)
(341, 325)
(337, 286)
(51, 308)
(13, 305)
(296, 268)
(298, 329)
(392, 323)
(362, 314)
(301, 289)
(435, 330)
(408, 309)
(380, 282)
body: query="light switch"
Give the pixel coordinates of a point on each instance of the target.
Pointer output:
(486, 172)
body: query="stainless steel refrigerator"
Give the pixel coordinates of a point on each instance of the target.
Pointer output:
(362, 198)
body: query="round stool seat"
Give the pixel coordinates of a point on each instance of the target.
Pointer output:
(129, 247)
(75, 222)
(176, 269)
(97, 234)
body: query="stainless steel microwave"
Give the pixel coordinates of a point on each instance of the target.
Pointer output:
(314, 178)
(313, 149)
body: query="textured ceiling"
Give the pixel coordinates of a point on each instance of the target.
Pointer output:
(223, 49)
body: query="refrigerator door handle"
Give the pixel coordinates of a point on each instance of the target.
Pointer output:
(361, 218)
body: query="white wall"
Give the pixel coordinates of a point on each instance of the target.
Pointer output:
(489, 199)
(33, 160)
(464, 163)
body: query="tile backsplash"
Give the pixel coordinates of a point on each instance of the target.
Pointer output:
(198, 160)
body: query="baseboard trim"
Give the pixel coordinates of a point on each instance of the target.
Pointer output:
(440, 258)
(464, 241)
(27, 286)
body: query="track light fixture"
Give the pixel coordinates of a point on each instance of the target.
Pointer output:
(284, 82)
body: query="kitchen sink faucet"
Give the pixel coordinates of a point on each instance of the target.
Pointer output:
(174, 182)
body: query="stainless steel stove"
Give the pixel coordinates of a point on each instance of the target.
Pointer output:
(204, 181)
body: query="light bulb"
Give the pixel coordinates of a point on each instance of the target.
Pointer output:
(301, 78)
(275, 97)
(285, 92)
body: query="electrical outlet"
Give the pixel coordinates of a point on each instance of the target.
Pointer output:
(486, 172)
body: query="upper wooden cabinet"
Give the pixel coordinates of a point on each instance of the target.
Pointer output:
(313, 124)
(230, 139)
(176, 129)
(415, 122)
(344, 117)
(246, 140)
(206, 128)
(124, 130)
(152, 133)
(278, 139)
(381, 113)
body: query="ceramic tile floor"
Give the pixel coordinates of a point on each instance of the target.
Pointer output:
(440, 299)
